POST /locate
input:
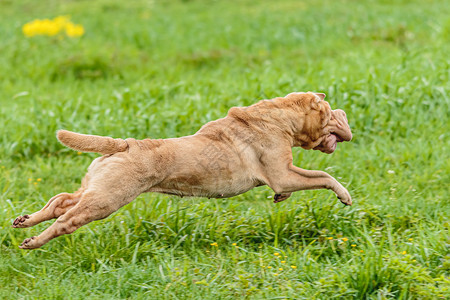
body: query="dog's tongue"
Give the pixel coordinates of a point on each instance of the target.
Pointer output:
(331, 143)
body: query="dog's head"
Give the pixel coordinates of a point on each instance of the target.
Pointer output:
(320, 128)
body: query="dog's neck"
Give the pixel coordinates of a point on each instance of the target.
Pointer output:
(268, 115)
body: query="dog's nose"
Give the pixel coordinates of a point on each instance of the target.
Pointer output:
(344, 129)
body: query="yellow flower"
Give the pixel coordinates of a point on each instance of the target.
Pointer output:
(330, 237)
(61, 20)
(353, 245)
(28, 30)
(214, 244)
(269, 267)
(59, 23)
(234, 244)
(280, 269)
(263, 267)
(79, 153)
(39, 179)
(344, 239)
(410, 239)
(52, 27)
(361, 251)
(29, 179)
(276, 254)
(73, 30)
(294, 267)
(403, 252)
(275, 274)
(283, 261)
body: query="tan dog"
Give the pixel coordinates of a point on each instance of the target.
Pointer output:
(250, 147)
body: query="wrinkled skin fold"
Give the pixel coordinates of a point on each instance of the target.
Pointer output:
(251, 146)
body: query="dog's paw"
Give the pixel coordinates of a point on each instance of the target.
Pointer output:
(345, 198)
(281, 197)
(21, 222)
(29, 243)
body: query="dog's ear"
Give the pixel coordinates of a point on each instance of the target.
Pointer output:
(321, 95)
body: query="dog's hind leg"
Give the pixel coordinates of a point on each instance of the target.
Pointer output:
(55, 207)
(92, 206)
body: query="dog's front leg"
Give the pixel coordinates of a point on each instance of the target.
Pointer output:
(296, 179)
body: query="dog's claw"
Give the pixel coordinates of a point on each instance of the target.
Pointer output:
(280, 197)
(18, 222)
(346, 202)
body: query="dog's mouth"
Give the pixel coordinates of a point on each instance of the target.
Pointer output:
(329, 144)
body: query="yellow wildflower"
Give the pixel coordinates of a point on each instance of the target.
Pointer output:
(50, 28)
(344, 239)
(214, 244)
(269, 267)
(330, 238)
(353, 245)
(403, 252)
(276, 254)
(61, 20)
(280, 269)
(294, 267)
(39, 179)
(53, 27)
(283, 261)
(234, 244)
(73, 30)
(410, 239)
(275, 274)
(28, 30)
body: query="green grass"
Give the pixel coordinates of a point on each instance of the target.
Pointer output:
(164, 68)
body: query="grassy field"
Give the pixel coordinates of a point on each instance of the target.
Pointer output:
(164, 68)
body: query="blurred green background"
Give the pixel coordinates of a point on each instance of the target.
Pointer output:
(162, 69)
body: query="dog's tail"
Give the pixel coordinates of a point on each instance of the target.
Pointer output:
(91, 143)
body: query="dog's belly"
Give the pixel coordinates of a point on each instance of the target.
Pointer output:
(189, 187)
(197, 166)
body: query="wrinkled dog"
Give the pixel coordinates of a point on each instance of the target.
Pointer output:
(250, 147)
